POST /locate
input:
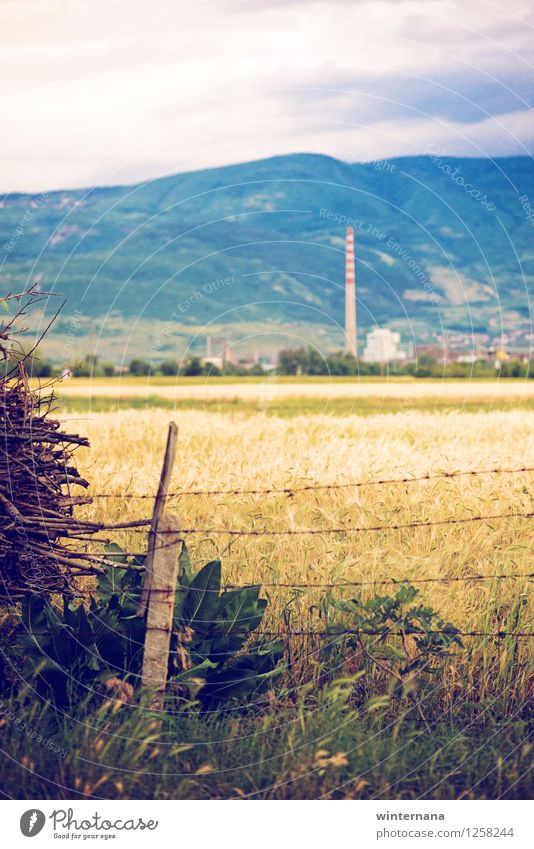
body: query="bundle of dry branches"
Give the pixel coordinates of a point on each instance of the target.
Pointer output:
(37, 473)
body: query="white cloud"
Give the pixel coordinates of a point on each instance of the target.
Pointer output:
(125, 91)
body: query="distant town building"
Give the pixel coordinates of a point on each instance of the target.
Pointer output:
(500, 357)
(382, 346)
(216, 362)
(219, 352)
(229, 356)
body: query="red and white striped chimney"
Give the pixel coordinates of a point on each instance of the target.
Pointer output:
(350, 295)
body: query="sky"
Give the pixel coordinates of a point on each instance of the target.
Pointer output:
(124, 91)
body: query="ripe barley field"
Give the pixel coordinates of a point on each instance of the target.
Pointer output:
(321, 732)
(250, 452)
(244, 452)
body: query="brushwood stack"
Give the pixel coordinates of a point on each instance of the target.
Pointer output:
(38, 476)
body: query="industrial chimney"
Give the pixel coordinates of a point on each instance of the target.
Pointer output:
(350, 295)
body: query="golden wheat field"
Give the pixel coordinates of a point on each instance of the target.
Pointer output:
(251, 452)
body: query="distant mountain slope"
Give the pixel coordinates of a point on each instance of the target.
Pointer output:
(263, 242)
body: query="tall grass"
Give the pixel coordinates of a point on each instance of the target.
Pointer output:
(320, 746)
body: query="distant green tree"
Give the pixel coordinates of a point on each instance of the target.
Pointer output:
(339, 364)
(87, 367)
(139, 367)
(310, 361)
(92, 367)
(426, 366)
(193, 367)
(34, 365)
(293, 361)
(316, 363)
(343, 363)
(169, 367)
(457, 370)
(37, 367)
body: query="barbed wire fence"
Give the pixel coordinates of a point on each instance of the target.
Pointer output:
(93, 562)
(290, 490)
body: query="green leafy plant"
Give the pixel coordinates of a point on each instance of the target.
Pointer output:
(422, 639)
(73, 649)
(211, 624)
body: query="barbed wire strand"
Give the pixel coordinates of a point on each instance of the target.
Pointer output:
(378, 583)
(135, 527)
(311, 487)
(392, 582)
(414, 633)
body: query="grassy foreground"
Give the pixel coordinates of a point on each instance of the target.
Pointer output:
(318, 746)
(321, 732)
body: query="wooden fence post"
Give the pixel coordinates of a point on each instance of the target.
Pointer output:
(160, 607)
(159, 506)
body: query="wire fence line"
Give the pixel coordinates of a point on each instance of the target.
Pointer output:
(398, 633)
(93, 562)
(137, 526)
(290, 490)
(380, 582)
(390, 582)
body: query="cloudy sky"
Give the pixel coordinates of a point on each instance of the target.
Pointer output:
(126, 90)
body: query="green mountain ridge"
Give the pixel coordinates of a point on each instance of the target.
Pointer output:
(261, 244)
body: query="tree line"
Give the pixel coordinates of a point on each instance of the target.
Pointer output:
(291, 362)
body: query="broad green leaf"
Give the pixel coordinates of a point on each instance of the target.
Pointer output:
(200, 607)
(109, 639)
(237, 608)
(185, 574)
(115, 553)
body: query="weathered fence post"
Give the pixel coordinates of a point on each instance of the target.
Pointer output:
(160, 607)
(159, 506)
